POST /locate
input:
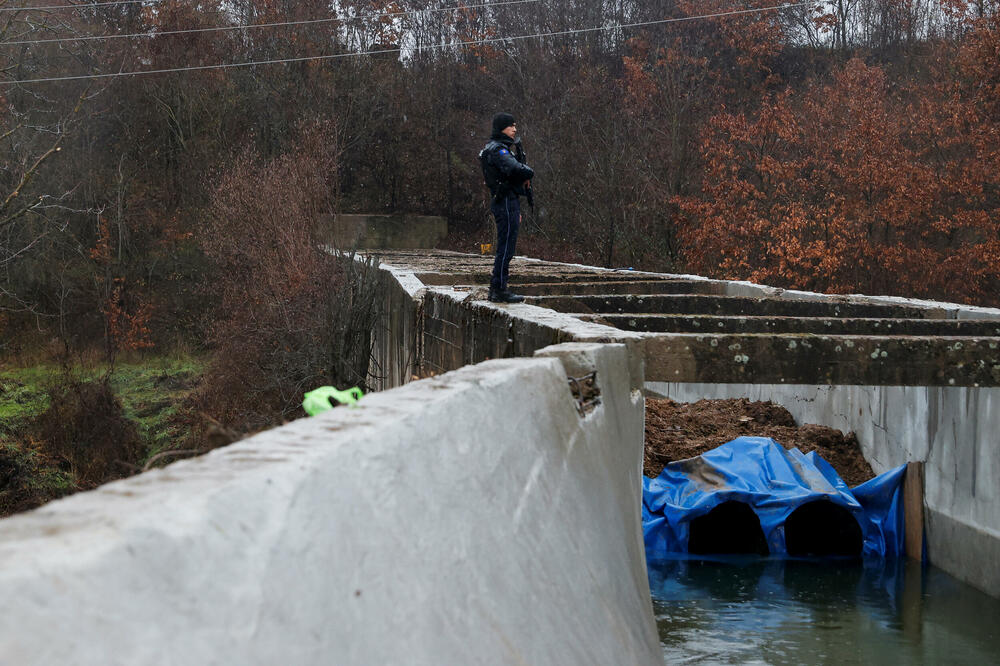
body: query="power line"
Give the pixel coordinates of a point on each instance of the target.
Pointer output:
(491, 40)
(148, 35)
(89, 5)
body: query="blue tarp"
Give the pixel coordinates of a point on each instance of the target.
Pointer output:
(774, 482)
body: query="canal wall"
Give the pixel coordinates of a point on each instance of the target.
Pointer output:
(483, 516)
(365, 231)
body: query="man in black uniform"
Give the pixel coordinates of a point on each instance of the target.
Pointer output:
(507, 178)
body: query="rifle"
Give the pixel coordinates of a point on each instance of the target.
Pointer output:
(519, 156)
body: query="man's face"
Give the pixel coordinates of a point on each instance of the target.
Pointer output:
(510, 130)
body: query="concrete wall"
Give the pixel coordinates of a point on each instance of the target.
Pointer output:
(462, 327)
(472, 518)
(368, 231)
(396, 344)
(955, 430)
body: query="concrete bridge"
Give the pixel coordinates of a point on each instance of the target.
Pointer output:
(916, 380)
(429, 526)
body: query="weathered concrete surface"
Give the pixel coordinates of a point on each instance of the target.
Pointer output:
(425, 526)
(396, 341)
(461, 327)
(368, 231)
(693, 323)
(727, 306)
(952, 429)
(823, 359)
(607, 287)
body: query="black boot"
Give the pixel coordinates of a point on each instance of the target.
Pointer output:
(504, 296)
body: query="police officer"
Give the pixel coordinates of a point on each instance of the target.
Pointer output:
(507, 178)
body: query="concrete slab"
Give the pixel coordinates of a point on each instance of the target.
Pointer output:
(822, 359)
(473, 518)
(693, 323)
(727, 305)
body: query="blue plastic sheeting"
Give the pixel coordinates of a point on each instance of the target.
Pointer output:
(774, 482)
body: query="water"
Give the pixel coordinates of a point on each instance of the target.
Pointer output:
(766, 611)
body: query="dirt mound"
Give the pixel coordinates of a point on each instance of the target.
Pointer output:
(675, 431)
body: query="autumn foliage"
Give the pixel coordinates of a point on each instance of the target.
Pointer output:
(856, 185)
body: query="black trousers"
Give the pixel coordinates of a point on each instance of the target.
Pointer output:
(507, 213)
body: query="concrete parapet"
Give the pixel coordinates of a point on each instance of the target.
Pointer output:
(712, 324)
(473, 518)
(461, 327)
(396, 340)
(728, 306)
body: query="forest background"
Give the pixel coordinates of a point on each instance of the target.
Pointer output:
(161, 287)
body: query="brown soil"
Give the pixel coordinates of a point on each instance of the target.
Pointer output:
(675, 431)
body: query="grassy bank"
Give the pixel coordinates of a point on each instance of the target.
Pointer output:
(33, 469)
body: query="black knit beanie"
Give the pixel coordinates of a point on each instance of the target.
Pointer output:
(502, 121)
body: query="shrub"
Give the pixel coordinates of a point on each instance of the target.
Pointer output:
(85, 427)
(292, 316)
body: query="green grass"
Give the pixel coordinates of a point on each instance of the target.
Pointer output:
(22, 398)
(151, 392)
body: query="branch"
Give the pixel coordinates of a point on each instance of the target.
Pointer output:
(29, 174)
(167, 454)
(10, 131)
(25, 179)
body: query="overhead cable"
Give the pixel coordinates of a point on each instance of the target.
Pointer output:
(82, 5)
(161, 33)
(430, 47)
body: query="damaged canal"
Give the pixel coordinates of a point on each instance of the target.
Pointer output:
(749, 610)
(856, 598)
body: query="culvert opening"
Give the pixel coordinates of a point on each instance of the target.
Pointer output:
(822, 529)
(732, 528)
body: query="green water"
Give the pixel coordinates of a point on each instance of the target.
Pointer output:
(760, 611)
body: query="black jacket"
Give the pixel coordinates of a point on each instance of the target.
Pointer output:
(503, 173)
